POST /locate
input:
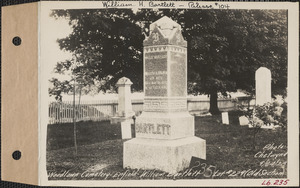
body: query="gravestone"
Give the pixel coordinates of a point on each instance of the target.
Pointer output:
(225, 118)
(243, 120)
(262, 86)
(126, 129)
(165, 130)
(124, 112)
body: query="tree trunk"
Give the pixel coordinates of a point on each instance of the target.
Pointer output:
(78, 105)
(74, 120)
(213, 101)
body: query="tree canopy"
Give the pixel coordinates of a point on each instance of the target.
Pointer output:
(225, 47)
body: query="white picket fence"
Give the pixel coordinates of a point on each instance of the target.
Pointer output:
(62, 112)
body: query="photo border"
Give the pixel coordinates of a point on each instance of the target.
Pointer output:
(292, 100)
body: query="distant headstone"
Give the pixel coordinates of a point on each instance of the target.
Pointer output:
(165, 130)
(125, 111)
(262, 86)
(225, 118)
(243, 120)
(268, 126)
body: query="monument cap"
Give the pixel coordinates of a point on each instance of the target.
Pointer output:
(124, 81)
(165, 31)
(166, 26)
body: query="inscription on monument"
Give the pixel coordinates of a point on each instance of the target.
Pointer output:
(156, 74)
(178, 74)
(150, 128)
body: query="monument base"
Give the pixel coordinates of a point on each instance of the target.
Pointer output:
(167, 155)
(165, 125)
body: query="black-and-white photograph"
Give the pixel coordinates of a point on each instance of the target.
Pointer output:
(166, 93)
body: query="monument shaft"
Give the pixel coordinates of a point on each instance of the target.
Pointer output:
(165, 130)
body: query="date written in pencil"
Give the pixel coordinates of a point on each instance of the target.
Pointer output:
(275, 182)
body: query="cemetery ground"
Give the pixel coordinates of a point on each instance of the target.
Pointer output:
(229, 152)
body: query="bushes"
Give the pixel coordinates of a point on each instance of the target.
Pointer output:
(269, 114)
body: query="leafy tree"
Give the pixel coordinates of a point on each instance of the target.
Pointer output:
(80, 82)
(107, 43)
(225, 47)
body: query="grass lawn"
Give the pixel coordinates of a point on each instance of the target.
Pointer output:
(229, 153)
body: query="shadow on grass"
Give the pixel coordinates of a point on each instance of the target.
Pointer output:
(62, 135)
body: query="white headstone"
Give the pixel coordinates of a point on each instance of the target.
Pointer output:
(262, 86)
(225, 118)
(125, 111)
(243, 120)
(124, 97)
(126, 129)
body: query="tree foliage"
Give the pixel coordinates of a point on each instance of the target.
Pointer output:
(225, 47)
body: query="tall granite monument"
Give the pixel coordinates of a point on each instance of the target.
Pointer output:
(165, 130)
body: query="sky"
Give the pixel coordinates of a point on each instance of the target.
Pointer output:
(56, 29)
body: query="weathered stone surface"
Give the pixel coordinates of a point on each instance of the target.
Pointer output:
(165, 32)
(161, 104)
(125, 111)
(178, 72)
(225, 118)
(126, 129)
(165, 125)
(263, 86)
(156, 74)
(243, 120)
(124, 81)
(166, 155)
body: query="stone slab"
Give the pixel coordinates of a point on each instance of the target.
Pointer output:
(126, 130)
(225, 118)
(166, 155)
(263, 86)
(164, 125)
(155, 77)
(243, 120)
(178, 72)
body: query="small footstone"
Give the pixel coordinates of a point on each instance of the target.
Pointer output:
(225, 118)
(243, 120)
(126, 129)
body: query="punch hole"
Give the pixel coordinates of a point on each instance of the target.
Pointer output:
(16, 155)
(16, 41)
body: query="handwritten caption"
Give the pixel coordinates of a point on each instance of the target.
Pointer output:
(207, 171)
(272, 164)
(164, 4)
(271, 155)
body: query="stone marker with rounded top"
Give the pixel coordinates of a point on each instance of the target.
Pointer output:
(165, 130)
(262, 86)
(125, 111)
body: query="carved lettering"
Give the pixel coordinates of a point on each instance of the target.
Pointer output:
(150, 128)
